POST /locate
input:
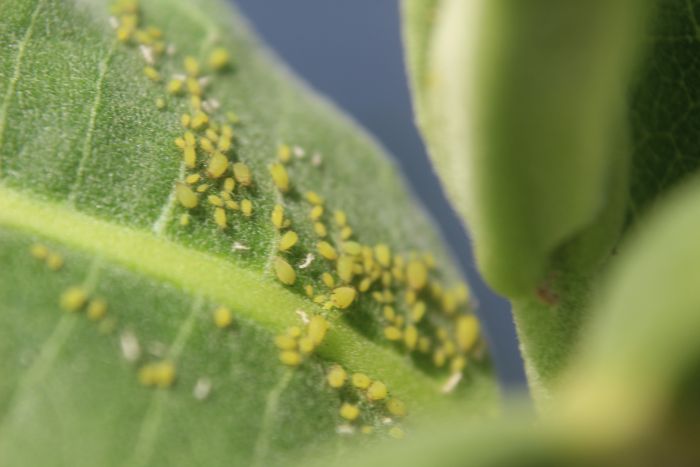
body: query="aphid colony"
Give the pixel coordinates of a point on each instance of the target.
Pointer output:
(418, 312)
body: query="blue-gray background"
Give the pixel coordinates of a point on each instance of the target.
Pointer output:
(351, 52)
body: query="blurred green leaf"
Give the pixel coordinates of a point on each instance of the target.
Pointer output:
(88, 166)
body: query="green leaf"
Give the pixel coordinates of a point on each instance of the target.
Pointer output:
(88, 171)
(554, 125)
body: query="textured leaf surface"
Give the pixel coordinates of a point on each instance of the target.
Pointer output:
(88, 167)
(555, 125)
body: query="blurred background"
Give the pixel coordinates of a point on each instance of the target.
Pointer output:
(351, 52)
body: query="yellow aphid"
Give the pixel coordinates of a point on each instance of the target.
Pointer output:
(439, 358)
(220, 217)
(218, 163)
(277, 216)
(327, 251)
(284, 153)
(164, 374)
(290, 358)
(190, 157)
(223, 317)
(193, 87)
(418, 311)
(410, 337)
(294, 331)
(151, 73)
(383, 254)
(185, 220)
(399, 321)
(416, 274)
(285, 273)
(285, 342)
(206, 145)
(366, 430)
(352, 248)
(386, 279)
(341, 219)
(467, 332)
(218, 59)
(449, 303)
(396, 407)
(224, 143)
(392, 333)
(191, 66)
(345, 233)
(147, 375)
(328, 280)
(344, 268)
(411, 297)
(336, 377)
(320, 229)
(349, 412)
(247, 207)
(215, 201)
(288, 240)
(142, 37)
(365, 284)
(202, 188)
(199, 120)
(313, 198)
(280, 177)
(192, 179)
(316, 213)
(226, 131)
(185, 195)
(361, 381)
(377, 391)
(39, 251)
(306, 345)
(175, 86)
(389, 313)
(73, 299)
(342, 297)
(124, 33)
(185, 120)
(424, 344)
(54, 261)
(97, 309)
(180, 143)
(229, 184)
(232, 205)
(396, 433)
(242, 173)
(309, 290)
(212, 135)
(160, 103)
(458, 363)
(317, 329)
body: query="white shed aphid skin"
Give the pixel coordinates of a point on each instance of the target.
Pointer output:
(303, 316)
(147, 53)
(129, 344)
(451, 383)
(237, 246)
(345, 429)
(202, 388)
(113, 22)
(298, 152)
(307, 261)
(316, 159)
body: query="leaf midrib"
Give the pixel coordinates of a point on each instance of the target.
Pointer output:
(250, 293)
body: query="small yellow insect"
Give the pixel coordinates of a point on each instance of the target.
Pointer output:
(280, 177)
(185, 195)
(288, 240)
(277, 216)
(290, 358)
(247, 207)
(392, 333)
(220, 217)
(151, 73)
(345, 233)
(341, 219)
(191, 66)
(336, 377)
(164, 374)
(467, 332)
(306, 345)
(328, 280)
(223, 317)
(193, 87)
(318, 326)
(192, 179)
(383, 254)
(199, 120)
(285, 342)
(160, 103)
(39, 251)
(344, 268)
(410, 337)
(343, 297)
(316, 213)
(285, 273)
(418, 311)
(242, 173)
(73, 299)
(396, 432)
(458, 363)
(320, 229)
(396, 407)
(361, 381)
(313, 198)
(327, 251)
(416, 274)
(349, 412)
(175, 86)
(229, 184)
(215, 201)
(185, 220)
(219, 59)
(352, 248)
(218, 163)
(284, 153)
(97, 309)
(377, 391)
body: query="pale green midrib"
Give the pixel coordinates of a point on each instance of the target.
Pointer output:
(248, 292)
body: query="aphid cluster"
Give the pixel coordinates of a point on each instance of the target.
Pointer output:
(418, 312)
